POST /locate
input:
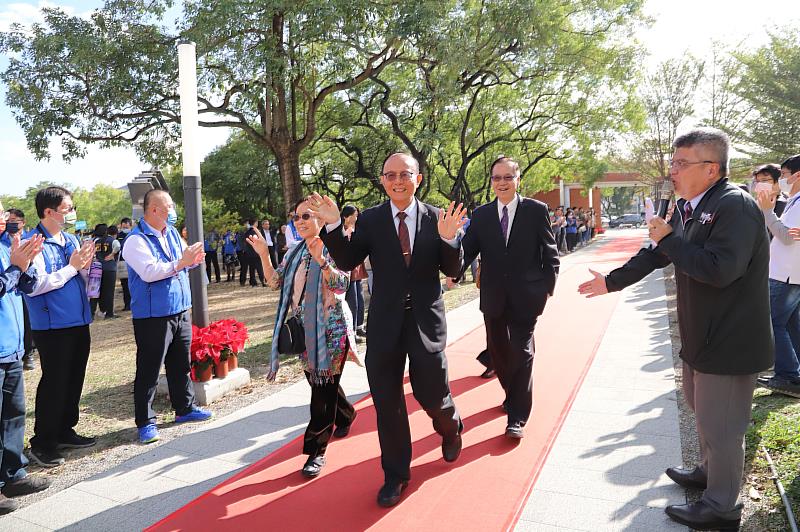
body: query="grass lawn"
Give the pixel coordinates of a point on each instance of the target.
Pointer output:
(776, 425)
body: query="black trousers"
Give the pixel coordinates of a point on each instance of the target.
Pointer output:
(511, 347)
(329, 406)
(211, 258)
(108, 283)
(273, 258)
(428, 375)
(126, 293)
(63, 354)
(253, 265)
(162, 341)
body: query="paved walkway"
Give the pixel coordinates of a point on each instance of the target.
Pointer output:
(602, 473)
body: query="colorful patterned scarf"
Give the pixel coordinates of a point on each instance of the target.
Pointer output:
(313, 318)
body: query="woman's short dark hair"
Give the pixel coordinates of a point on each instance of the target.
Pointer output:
(772, 170)
(112, 230)
(298, 202)
(349, 210)
(50, 198)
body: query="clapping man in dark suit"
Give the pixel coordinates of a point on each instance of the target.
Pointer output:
(408, 243)
(519, 266)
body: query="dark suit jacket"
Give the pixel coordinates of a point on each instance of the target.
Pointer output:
(518, 275)
(721, 258)
(375, 236)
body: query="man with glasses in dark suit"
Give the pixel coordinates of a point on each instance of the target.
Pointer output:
(408, 243)
(519, 266)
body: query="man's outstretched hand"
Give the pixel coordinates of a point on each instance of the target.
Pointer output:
(452, 220)
(595, 287)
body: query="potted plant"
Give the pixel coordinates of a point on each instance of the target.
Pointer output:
(217, 345)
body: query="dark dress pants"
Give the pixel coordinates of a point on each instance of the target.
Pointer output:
(211, 258)
(63, 354)
(106, 299)
(12, 422)
(428, 375)
(511, 347)
(28, 338)
(328, 406)
(162, 341)
(126, 293)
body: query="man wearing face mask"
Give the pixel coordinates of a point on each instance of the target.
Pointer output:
(784, 280)
(158, 265)
(17, 276)
(16, 224)
(60, 317)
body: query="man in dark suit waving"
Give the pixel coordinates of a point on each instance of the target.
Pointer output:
(519, 266)
(408, 243)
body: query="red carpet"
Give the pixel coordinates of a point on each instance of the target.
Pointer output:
(484, 490)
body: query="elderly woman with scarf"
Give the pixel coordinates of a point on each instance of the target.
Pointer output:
(313, 289)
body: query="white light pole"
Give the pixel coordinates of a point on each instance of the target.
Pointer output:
(187, 88)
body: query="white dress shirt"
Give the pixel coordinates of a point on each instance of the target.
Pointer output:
(47, 282)
(512, 210)
(139, 256)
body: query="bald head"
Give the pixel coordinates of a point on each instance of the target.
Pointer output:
(405, 157)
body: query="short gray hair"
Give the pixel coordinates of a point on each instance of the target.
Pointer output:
(711, 138)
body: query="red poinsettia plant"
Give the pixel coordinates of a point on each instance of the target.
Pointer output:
(216, 343)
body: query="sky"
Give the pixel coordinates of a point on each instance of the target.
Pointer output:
(679, 25)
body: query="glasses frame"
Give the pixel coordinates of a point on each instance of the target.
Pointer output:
(680, 164)
(508, 178)
(391, 176)
(305, 216)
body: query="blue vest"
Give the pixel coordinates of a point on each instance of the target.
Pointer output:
(165, 297)
(64, 307)
(11, 345)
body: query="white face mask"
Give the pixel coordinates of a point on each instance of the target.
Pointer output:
(786, 188)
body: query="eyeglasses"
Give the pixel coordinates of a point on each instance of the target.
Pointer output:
(404, 176)
(680, 164)
(304, 216)
(507, 177)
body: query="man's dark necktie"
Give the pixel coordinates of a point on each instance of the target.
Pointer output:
(504, 223)
(687, 209)
(402, 234)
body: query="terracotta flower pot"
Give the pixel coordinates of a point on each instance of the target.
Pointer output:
(233, 362)
(221, 369)
(203, 375)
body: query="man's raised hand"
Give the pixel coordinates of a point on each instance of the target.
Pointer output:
(192, 256)
(82, 258)
(324, 208)
(452, 220)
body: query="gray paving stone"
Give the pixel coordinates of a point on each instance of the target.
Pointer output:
(70, 507)
(635, 518)
(569, 511)
(530, 526)
(13, 523)
(124, 485)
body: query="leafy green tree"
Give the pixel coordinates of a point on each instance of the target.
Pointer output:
(668, 95)
(265, 68)
(767, 82)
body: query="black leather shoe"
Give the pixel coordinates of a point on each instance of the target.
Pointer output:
(313, 466)
(699, 516)
(488, 374)
(688, 478)
(514, 430)
(451, 449)
(390, 492)
(7, 505)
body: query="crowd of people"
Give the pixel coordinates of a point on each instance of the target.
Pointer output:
(718, 238)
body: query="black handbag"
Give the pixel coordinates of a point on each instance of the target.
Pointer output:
(292, 337)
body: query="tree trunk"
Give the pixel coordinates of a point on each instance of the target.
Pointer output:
(289, 169)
